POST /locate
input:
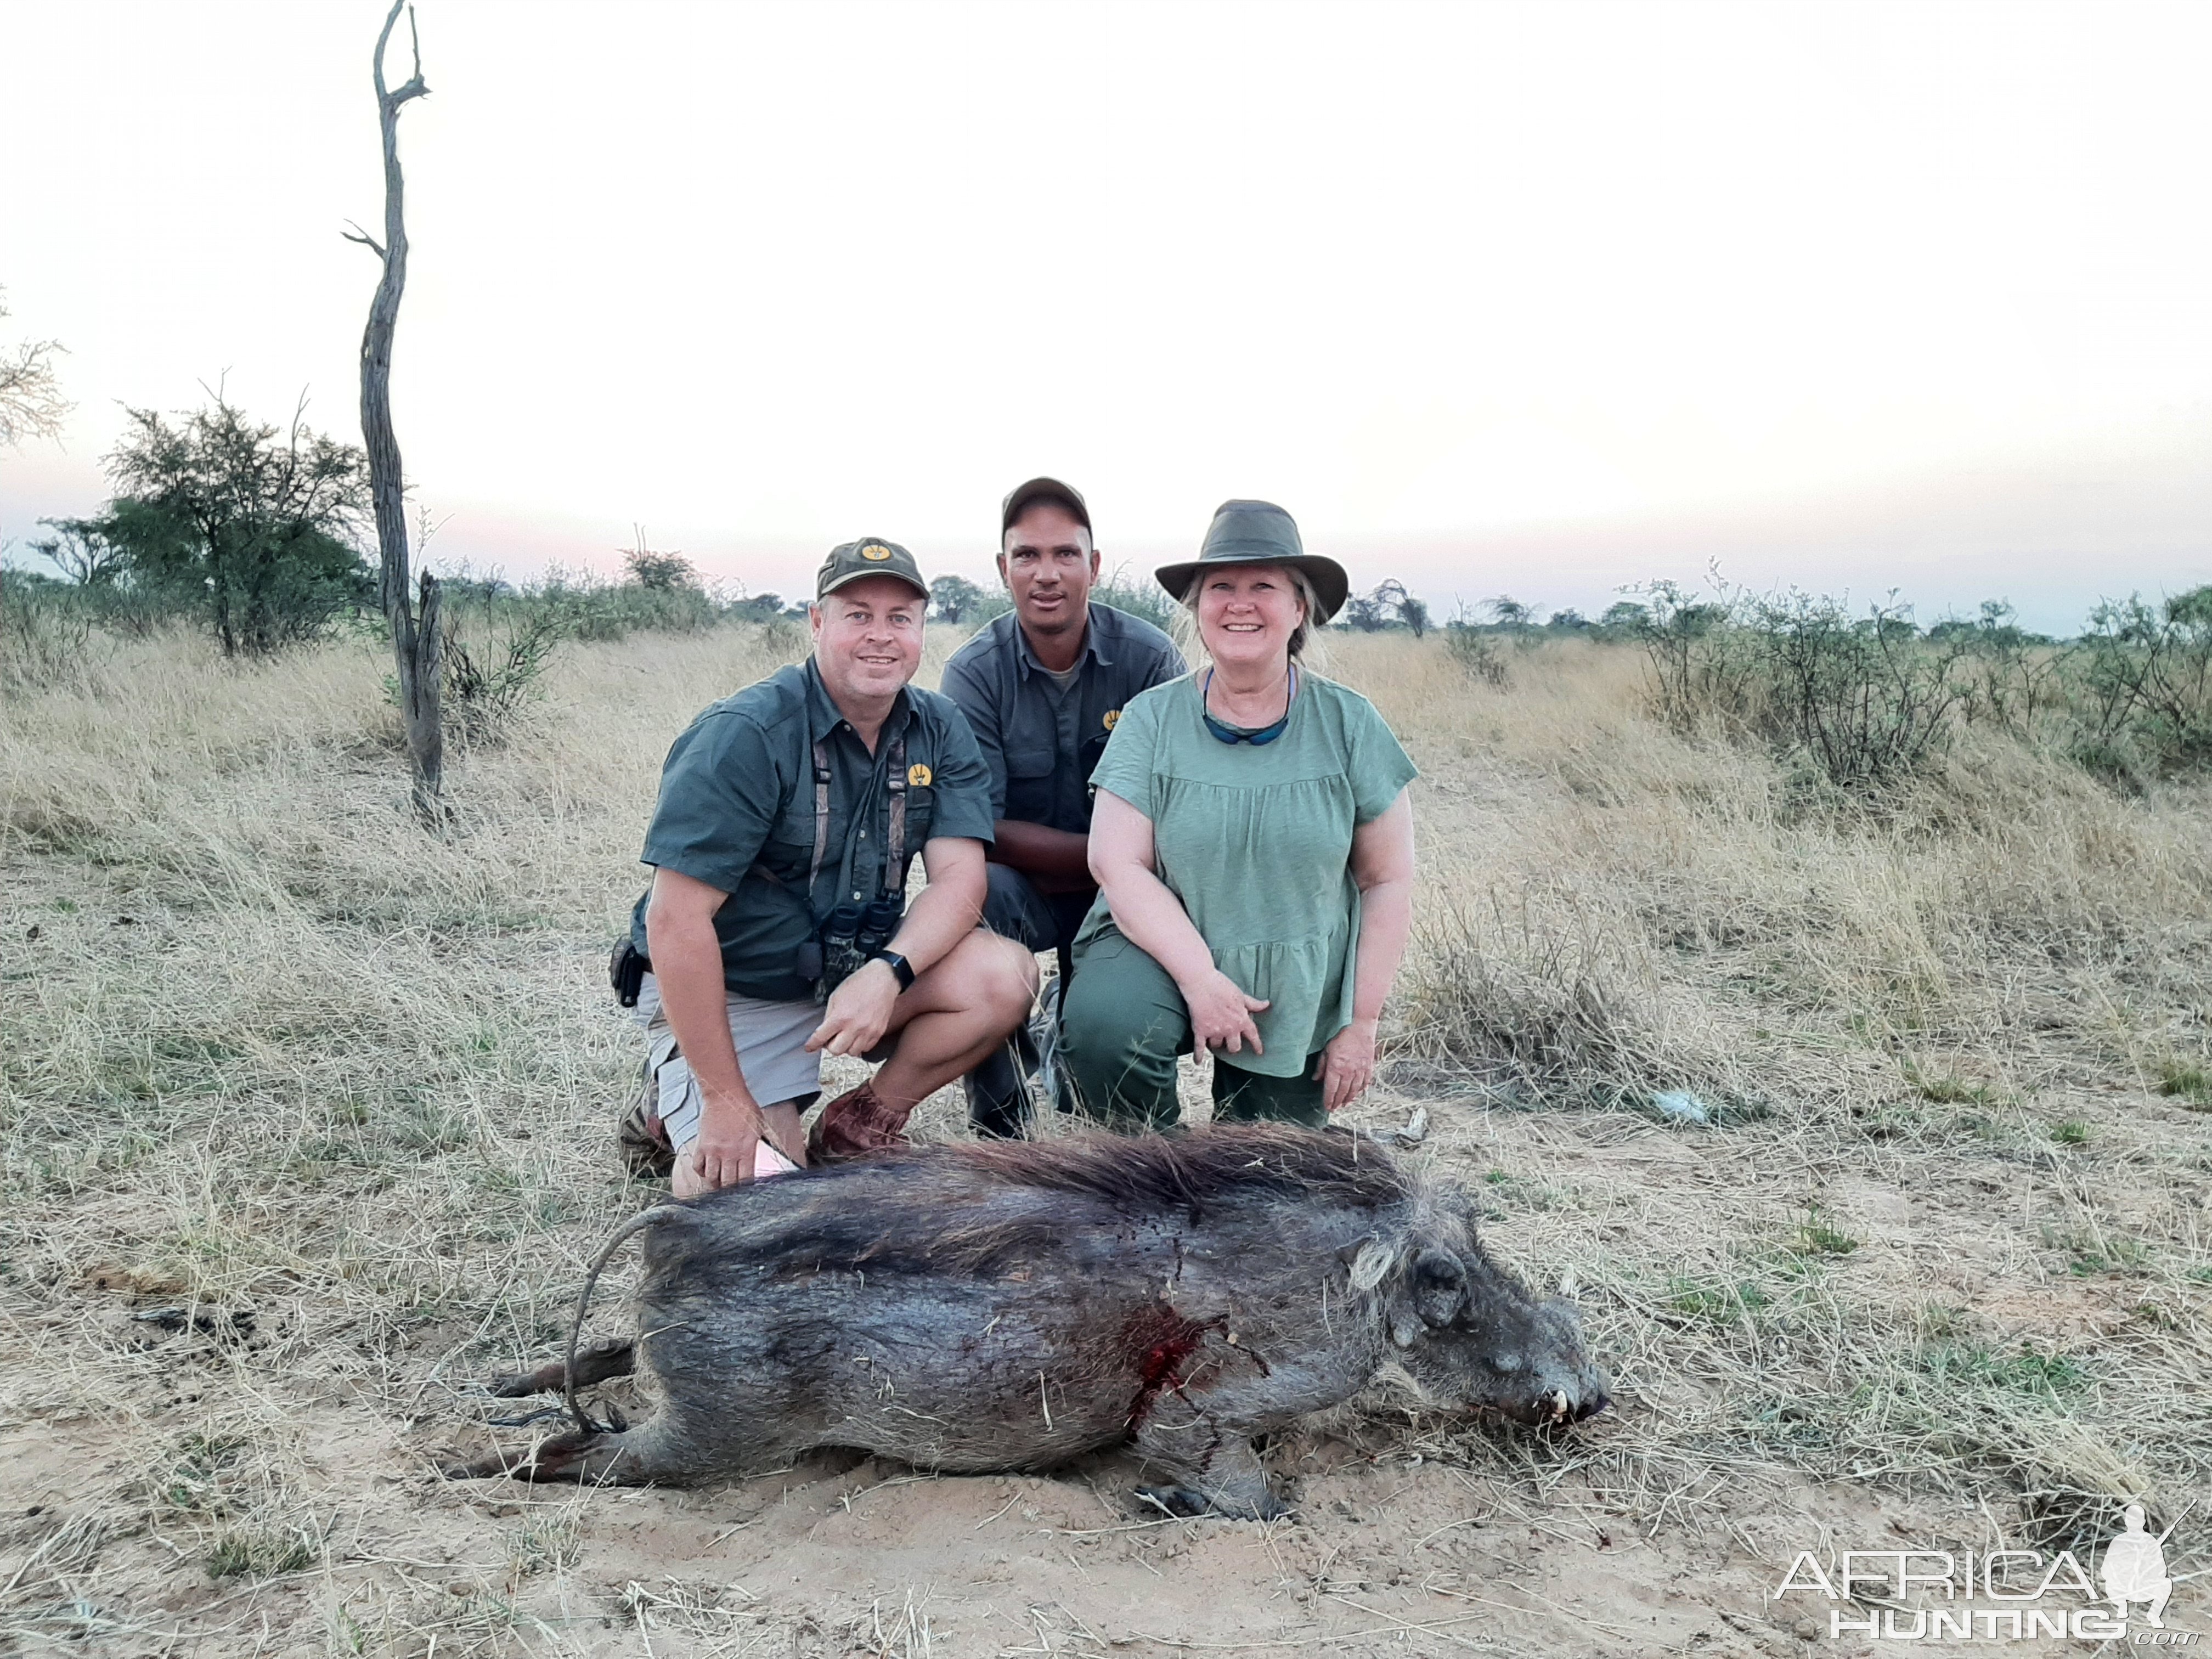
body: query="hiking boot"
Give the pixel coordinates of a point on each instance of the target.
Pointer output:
(1043, 1036)
(855, 1125)
(644, 1141)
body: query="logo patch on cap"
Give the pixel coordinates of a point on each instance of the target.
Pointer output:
(918, 775)
(1112, 716)
(875, 552)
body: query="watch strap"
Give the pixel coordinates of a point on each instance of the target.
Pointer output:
(900, 966)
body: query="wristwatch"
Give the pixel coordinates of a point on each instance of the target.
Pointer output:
(899, 966)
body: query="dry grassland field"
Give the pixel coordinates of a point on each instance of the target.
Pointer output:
(308, 1114)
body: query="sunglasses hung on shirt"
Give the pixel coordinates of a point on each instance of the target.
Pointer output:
(1265, 734)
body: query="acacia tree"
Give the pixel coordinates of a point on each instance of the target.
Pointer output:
(658, 572)
(230, 517)
(85, 551)
(415, 639)
(1388, 606)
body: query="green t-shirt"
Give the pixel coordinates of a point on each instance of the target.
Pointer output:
(1256, 840)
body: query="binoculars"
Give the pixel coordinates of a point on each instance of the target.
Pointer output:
(850, 934)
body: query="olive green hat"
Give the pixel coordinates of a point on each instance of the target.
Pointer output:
(869, 556)
(1260, 532)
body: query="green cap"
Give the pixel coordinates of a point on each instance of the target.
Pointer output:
(871, 555)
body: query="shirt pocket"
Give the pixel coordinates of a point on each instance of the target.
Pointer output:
(790, 847)
(1028, 782)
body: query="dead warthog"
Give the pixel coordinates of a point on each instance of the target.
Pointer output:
(1013, 1305)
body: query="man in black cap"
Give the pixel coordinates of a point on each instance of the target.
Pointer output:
(776, 928)
(1042, 687)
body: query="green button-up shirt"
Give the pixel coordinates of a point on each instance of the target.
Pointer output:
(737, 799)
(1039, 741)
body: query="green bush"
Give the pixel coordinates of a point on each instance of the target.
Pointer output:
(588, 606)
(2145, 677)
(495, 652)
(1474, 650)
(1863, 699)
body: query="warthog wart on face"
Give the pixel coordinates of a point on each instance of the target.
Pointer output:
(1015, 1305)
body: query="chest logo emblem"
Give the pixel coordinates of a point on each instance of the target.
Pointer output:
(1112, 716)
(918, 775)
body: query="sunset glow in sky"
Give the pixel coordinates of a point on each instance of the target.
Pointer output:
(1537, 300)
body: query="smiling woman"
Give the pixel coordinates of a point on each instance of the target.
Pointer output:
(1254, 850)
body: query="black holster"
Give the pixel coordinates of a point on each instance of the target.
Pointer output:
(626, 971)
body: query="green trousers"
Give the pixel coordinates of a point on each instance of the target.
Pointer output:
(1123, 1024)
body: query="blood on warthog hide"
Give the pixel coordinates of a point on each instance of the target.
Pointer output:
(1162, 1342)
(1013, 1305)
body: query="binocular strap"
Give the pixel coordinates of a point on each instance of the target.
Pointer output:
(895, 847)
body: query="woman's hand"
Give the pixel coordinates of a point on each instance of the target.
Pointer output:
(1347, 1064)
(1221, 1014)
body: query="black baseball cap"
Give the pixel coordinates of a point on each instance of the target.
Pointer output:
(1025, 496)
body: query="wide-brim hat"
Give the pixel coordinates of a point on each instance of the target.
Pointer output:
(1260, 532)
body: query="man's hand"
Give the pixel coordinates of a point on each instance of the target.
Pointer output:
(1221, 1014)
(729, 1135)
(859, 1013)
(1346, 1065)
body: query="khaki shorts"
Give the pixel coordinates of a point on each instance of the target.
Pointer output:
(771, 1043)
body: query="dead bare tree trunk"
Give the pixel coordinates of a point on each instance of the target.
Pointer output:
(415, 640)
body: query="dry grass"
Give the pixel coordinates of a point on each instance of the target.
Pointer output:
(341, 1093)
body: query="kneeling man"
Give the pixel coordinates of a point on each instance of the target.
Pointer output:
(787, 818)
(1042, 687)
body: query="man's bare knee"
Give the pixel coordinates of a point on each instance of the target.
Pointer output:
(984, 974)
(1001, 980)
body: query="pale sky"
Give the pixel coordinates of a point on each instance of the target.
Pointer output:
(1537, 299)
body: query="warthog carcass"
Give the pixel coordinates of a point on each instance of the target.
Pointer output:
(1014, 1305)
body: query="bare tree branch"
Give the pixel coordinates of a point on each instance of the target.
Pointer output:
(390, 102)
(414, 637)
(31, 401)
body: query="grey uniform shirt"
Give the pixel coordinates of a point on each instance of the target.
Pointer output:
(1040, 741)
(737, 811)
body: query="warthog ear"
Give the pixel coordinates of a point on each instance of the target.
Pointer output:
(1439, 1286)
